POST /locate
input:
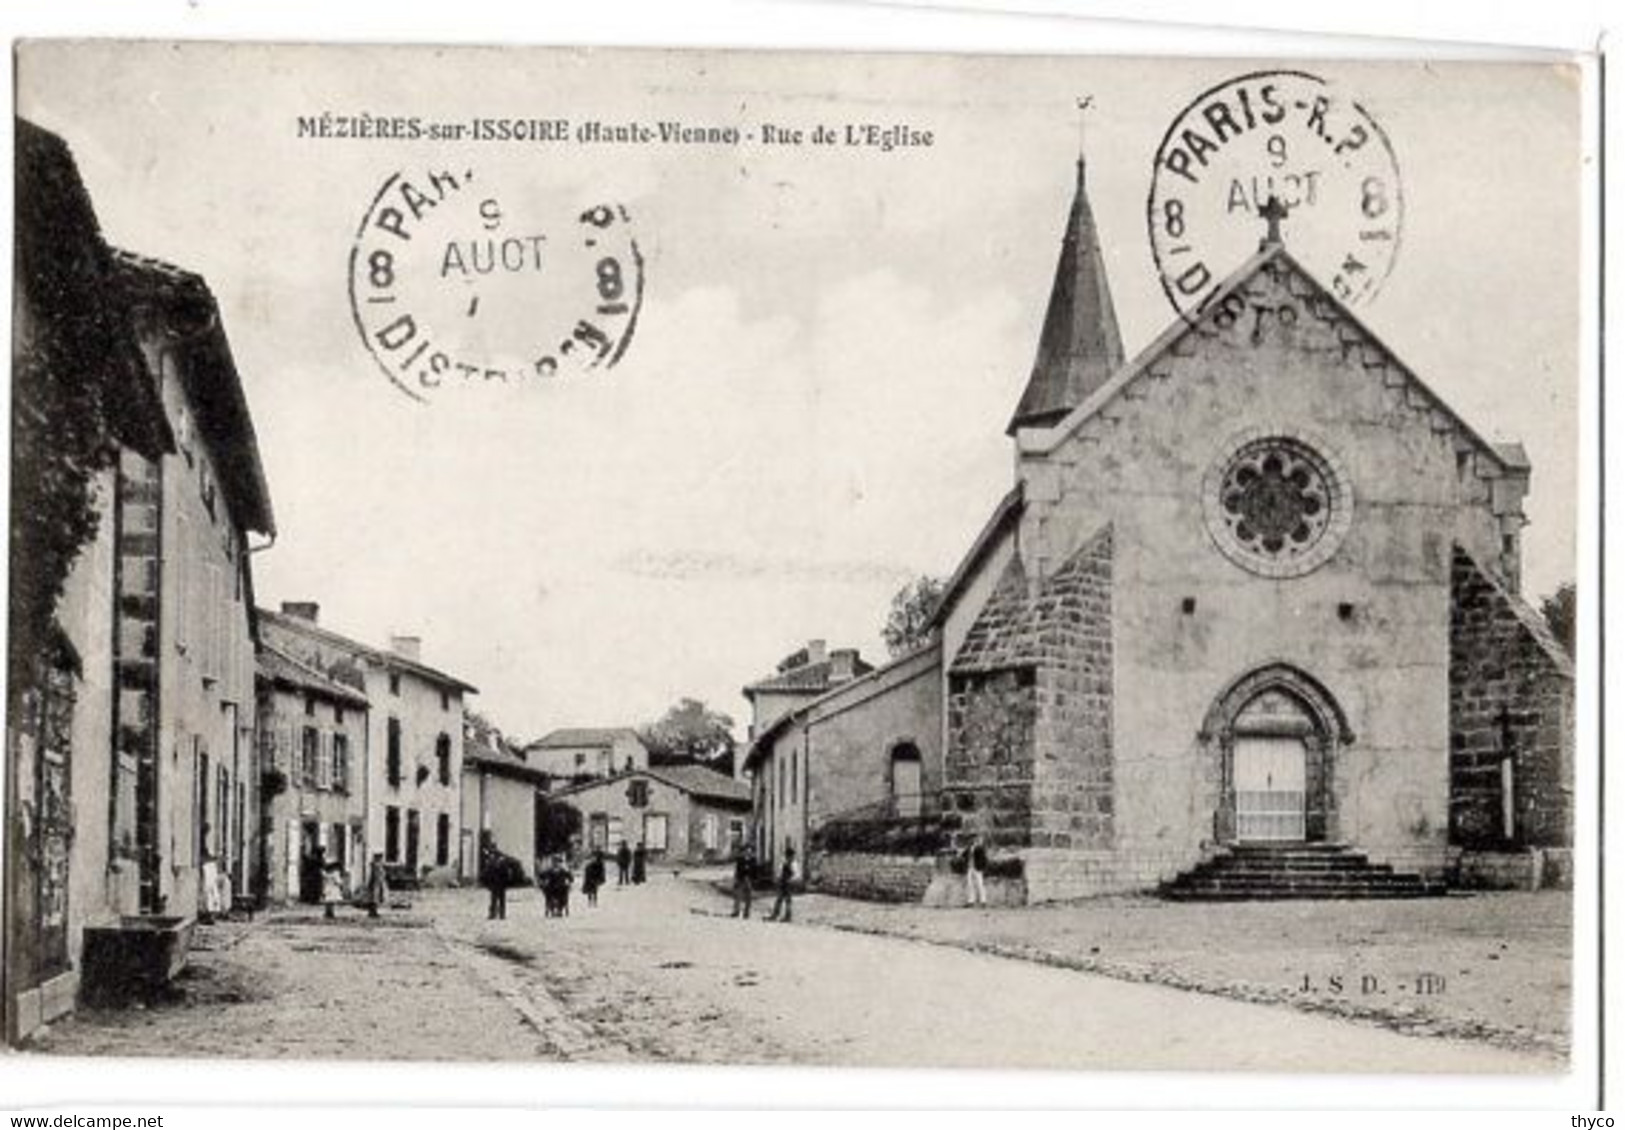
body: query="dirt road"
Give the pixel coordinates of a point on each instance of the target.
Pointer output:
(661, 973)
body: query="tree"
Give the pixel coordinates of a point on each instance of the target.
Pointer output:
(908, 625)
(691, 733)
(1559, 612)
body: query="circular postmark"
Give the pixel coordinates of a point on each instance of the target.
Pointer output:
(454, 281)
(1286, 135)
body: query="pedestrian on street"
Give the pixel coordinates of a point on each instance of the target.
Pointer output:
(592, 877)
(556, 882)
(975, 873)
(377, 885)
(640, 863)
(332, 883)
(623, 863)
(494, 877)
(787, 876)
(744, 875)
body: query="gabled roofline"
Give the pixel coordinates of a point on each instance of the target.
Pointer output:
(366, 651)
(652, 771)
(760, 742)
(1008, 509)
(316, 681)
(1044, 441)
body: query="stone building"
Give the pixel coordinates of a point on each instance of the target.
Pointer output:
(313, 746)
(680, 813)
(133, 799)
(799, 678)
(501, 794)
(865, 748)
(413, 754)
(1241, 595)
(578, 753)
(1250, 608)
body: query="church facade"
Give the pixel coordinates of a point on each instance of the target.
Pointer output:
(1258, 586)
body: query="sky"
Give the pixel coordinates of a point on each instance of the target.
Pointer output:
(831, 339)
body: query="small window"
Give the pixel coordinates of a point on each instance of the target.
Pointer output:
(310, 705)
(392, 757)
(309, 751)
(341, 763)
(394, 683)
(637, 793)
(655, 828)
(445, 700)
(442, 757)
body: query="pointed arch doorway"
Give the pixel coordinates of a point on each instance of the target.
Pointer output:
(1277, 733)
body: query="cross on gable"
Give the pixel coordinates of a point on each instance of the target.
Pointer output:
(1273, 212)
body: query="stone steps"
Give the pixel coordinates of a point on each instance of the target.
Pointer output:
(1294, 871)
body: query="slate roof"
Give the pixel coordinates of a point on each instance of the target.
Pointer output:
(600, 737)
(795, 674)
(186, 309)
(380, 656)
(1004, 515)
(761, 741)
(284, 670)
(501, 759)
(695, 780)
(1079, 347)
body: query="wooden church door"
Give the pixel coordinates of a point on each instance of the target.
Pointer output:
(1271, 786)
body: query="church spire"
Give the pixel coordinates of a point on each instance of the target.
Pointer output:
(1079, 346)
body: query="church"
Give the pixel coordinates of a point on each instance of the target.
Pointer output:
(1247, 623)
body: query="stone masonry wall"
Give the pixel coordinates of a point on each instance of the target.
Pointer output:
(1029, 760)
(988, 771)
(1072, 800)
(881, 878)
(1511, 694)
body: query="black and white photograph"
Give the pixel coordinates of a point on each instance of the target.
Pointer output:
(559, 556)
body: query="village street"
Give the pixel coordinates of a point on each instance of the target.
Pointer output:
(660, 973)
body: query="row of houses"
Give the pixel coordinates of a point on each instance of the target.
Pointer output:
(138, 501)
(173, 749)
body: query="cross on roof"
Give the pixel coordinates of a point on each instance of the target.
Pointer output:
(1273, 212)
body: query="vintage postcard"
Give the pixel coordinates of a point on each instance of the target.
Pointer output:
(656, 556)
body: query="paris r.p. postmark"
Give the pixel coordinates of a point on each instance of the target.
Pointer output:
(456, 282)
(1284, 134)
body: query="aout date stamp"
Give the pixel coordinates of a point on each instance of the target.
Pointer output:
(1286, 135)
(456, 282)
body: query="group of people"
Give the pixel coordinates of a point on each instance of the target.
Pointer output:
(499, 873)
(327, 876)
(745, 878)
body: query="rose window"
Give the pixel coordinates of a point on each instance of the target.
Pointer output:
(1276, 506)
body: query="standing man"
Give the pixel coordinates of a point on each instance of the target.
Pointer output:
(623, 864)
(787, 875)
(493, 876)
(640, 863)
(744, 874)
(975, 872)
(377, 885)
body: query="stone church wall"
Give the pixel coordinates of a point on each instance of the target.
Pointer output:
(1371, 623)
(1511, 695)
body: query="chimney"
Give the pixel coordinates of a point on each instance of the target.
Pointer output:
(407, 647)
(301, 609)
(816, 651)
(842, 664)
